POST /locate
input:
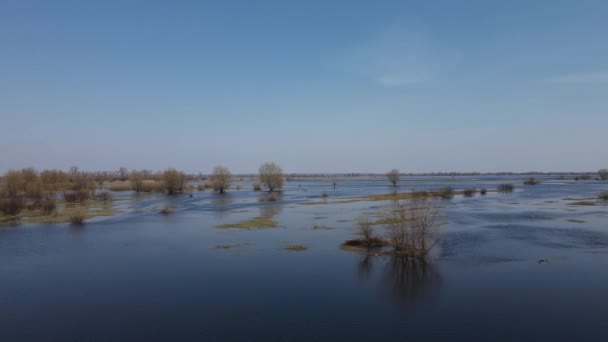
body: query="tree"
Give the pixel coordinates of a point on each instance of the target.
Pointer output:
(603, 174)
(123, 173)
(271, 175)
(221, 178)
(173, 181)
(413, 227)
(393, 176)
(137, 180)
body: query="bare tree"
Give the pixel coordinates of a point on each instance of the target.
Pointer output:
(173, 181)
(221, 178)
(271, 175)
(364, 228)
(137, 180)
(393, 176)
(413, 227)
(123, 173)
(603, 173)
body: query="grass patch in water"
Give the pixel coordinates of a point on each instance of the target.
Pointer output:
(586, 203)
(321, 217)
(92, 208)
(256, 222)
(322, 227)
(575, 221)
(227, 246)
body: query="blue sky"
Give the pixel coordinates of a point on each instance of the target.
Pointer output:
(316, 86)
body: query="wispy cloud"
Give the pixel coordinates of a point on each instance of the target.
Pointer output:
(581, 77)
(398, 56)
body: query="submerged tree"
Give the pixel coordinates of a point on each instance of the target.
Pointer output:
(173, 181)
(413, 227)
(393, 176)
(271, 176)
(221, 178)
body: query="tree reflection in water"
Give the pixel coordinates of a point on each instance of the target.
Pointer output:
(407, 280)
(410, 280)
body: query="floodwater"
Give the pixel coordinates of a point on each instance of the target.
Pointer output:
(143, 276)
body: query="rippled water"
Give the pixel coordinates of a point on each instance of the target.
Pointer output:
(144, 276)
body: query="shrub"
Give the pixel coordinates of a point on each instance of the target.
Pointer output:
(104, 196)
(325, 194)
(11, 206)
(365, 229)
(483, 191)
(137, 181)
(13, 183)
(532, 181)
(393, 176)
(221, 178)
(271, 176)
(603, 173)
(469, 192)
(77, 217)
(272, 197)
(413, 228)
(505, 188)
(173, 181)
(603, 195)
(445, 192)
(73, 196)
(257, 186)
(48, 206)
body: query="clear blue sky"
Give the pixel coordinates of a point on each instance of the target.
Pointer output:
(316, 86)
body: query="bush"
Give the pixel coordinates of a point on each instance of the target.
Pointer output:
(603, 173)
(413, 228)
(445, 192)
(77, 217)
(104, 196)
(603, 195)
(469, 192)
(73, 196)
(325, 194)
(257, 186)
(505, 188)
(483, 191)
(173, 181)
(11, 206)
(365, 229)
(48, 206)
(532, 181)
(137, 181)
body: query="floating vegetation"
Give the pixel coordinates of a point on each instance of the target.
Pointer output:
(575, 221)
(321, 217)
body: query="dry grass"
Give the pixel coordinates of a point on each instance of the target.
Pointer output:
(254, 223)
(77, 217)
(119, 186)
(295, 248)
(166, 210)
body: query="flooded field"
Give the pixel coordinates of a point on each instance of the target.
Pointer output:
(236, 267)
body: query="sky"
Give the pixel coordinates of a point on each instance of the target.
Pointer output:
(315, 86)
